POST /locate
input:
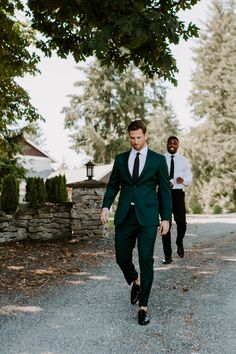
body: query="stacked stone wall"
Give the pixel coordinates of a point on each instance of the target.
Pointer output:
(48, 221)
(79, 219)
(86, 212)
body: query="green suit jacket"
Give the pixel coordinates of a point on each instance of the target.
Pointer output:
(151, 194)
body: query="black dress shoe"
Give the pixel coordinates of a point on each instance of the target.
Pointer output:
(180, 251)
(167, 260)
(135, 291)
(143, 317)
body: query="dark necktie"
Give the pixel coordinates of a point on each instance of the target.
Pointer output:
(172, 167)
(136, 168)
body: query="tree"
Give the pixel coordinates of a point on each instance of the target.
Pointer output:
(35, 191)
(56, 189)
(162, 123)
(16, 60)
(9, 165)
(109, 100)
(9, 199)
(34, 133)
(214, 102)
(116, 32)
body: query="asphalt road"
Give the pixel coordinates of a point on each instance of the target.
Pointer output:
(192, 305)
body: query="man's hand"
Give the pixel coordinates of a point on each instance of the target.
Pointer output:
(179, 180)
(104, 215)
(164, 227)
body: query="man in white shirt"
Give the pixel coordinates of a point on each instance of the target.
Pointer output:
(180, 176)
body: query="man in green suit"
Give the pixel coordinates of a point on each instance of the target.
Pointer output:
(141, 177)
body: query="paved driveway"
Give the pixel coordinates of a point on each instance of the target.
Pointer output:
(192, 305)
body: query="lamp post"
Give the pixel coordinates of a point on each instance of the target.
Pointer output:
(89, 170)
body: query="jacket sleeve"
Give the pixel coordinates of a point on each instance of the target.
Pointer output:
(164, 191)
(113, 186)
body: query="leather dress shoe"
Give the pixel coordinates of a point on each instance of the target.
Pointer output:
(180, 251)
(143, 317)
(167, 260)
(135, 291)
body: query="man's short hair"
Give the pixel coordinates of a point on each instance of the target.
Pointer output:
(137, 124)
(172, 137)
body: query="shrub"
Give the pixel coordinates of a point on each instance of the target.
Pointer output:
(9, 194)
(217, 209)
(35, 191)
(28, 187)
(197, 208)
(56, 189)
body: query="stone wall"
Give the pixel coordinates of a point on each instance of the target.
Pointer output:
(86, 211)
(49, 221)
(78, 220)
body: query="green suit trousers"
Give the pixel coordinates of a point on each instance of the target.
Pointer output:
(126, 236)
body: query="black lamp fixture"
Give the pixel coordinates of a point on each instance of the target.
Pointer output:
(89, 170)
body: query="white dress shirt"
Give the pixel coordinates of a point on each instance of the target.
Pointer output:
(142, 159)
(182, 169)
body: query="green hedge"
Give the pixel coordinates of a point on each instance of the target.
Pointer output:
(9, 200)
(35, 191)
(56, 189)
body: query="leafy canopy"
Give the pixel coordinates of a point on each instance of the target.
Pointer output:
(16, 60)
(116, 32)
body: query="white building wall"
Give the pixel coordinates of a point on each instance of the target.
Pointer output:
(36, 163)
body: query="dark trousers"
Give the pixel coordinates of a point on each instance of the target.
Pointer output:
(126, 235)
(179, 212)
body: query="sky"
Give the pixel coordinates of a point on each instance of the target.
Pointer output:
(50, 92)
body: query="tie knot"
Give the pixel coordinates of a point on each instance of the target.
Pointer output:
(137, 154)
(172, 156)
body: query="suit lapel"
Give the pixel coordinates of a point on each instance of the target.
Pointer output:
(147, 162)
(126, 164)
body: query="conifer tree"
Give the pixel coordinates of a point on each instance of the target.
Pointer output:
(213, 99)
(9, 199)
(98, 117)
(35, 191)
(162, 123)
(56, 189)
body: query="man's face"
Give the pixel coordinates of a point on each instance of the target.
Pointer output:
(137, 139)
(172, 146)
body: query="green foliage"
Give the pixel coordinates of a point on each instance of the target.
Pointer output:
(56, 189)
(12, 167)
(217, 209)
(211, 146)
(161, 123)
(197, 208)
(117, 32)
(99, 116)
(9, 194)
(16, 60)
(9, 143)
(35, 191)
(34, 133)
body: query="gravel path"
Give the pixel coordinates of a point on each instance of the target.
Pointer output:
(192, 305)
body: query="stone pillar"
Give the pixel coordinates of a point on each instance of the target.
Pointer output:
(87, 198)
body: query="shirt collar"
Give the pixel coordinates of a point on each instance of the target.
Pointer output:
(142, 152)
(168, 154)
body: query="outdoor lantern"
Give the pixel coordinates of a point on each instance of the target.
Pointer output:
(89, 169)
